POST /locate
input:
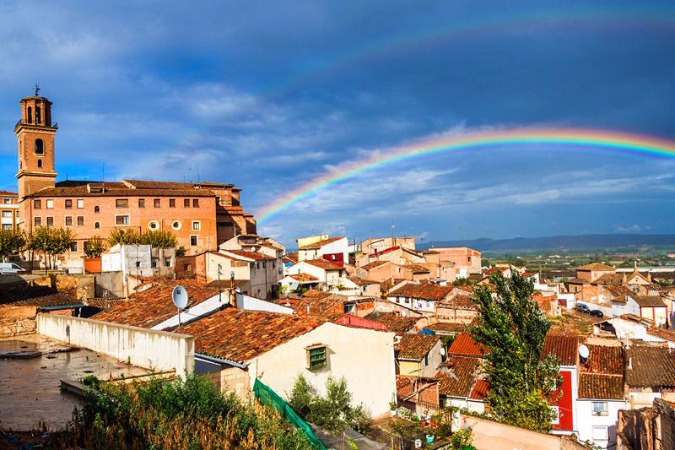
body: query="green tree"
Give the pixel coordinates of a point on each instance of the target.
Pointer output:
(11, 242)
(512, 328)
(158, 239)
(123, 237)
(51, 242)
(94, 247)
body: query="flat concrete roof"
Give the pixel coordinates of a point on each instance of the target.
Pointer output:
(30, 389)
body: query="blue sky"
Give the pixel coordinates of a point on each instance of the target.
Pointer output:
(269, 95)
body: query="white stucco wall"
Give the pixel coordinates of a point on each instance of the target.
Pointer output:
(364, 357)
(586, 421)
(140, 347)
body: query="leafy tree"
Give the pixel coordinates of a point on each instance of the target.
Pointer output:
(11, 242)
(94, 247)
(334, 411)
(51, 242)
(513, 328)
(158, 239)
(123, 237)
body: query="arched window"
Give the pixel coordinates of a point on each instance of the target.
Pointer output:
(37, 115)
(39, 147)
(30, 115)
(97, 225)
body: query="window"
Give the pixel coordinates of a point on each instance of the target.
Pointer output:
(37, 204)
(186, 202)
(600, 434)
(122, 219)
(316, 357)
(196, 225)
(7, 214)
(50, 221)
(69, 221)
(69, 203)
(80, 203)
(80, 221)
(122, 203)
(157, 203)
(600, 408)
(176, 225)
(39, 163)
(193, 239)
(6, 226)
(141, 203)
(172, 203)
(49, 204)
(37, 221)
(195, 203)
(153, 225)
(73, 246)
(97, 225)
(97, 209)
(39, 147)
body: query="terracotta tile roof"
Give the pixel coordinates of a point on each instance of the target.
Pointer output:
(325, 306)
(303, 277)
(446, 328)
(465, 345)
(459, 302)
(73, 188)
(8, 193)
(603, 359)
(421, 391)
(153, 306)
(361, 322)
(562, 346)
(431, 292)
(374, 264)
(417, 268)
(394, 321)
(461, 377)
(315, 293)
(256, 256)
(648, 301)
(596, 266)
(319, 244)
(361, 281)
(480, 390)
(175, 185)
(240, 335)
(413, 347)
(609, 279)
(323, 264)
(386, 250)
(600, 386)
(26, 295)
(650, 366)
(291, 257)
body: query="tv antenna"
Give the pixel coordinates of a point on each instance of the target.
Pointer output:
(179, 296)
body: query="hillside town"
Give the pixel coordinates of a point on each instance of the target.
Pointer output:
(392, 320)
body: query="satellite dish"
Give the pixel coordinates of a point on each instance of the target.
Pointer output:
(584, 351)
(442, 350)
(180, 297)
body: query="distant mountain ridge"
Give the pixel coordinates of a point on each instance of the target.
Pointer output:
(581, 242)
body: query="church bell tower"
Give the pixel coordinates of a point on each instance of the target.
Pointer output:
(35, 133)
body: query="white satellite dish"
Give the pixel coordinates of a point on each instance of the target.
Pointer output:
(584, 352)
(180, 297)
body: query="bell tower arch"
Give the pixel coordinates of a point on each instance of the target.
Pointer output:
(35, 134)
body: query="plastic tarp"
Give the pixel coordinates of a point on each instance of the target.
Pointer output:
(268, 397)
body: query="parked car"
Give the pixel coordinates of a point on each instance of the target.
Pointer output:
(596, 313)
(582, 307)
(6, 268)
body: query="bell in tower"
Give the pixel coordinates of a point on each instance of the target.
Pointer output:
(35, 133)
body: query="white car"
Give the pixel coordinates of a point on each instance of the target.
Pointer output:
(6, 268)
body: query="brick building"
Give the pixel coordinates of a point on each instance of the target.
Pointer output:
(9, 209)
(201, 215)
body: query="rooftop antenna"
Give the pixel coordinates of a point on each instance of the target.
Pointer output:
(179, 297)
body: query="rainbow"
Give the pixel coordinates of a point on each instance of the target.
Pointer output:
(601, 140)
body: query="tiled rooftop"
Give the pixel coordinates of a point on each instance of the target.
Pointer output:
(323, 264)
(256, 256)
(596, 266)
(459, 381)
(21, 294)
(600, 386)
(240, 335)
(394, 321)
(319, 244)
(413, 347)
(562, 346)
(465, 345)
(374, 264)
(154, 305)
(603, 359)
(650, 366)
(427, 291)
(649, 301)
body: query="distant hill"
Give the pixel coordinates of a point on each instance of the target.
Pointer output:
(568, 243)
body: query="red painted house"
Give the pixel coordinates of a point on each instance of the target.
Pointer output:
(566, 349)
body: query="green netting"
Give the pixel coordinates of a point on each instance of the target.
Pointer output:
(268, 397)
